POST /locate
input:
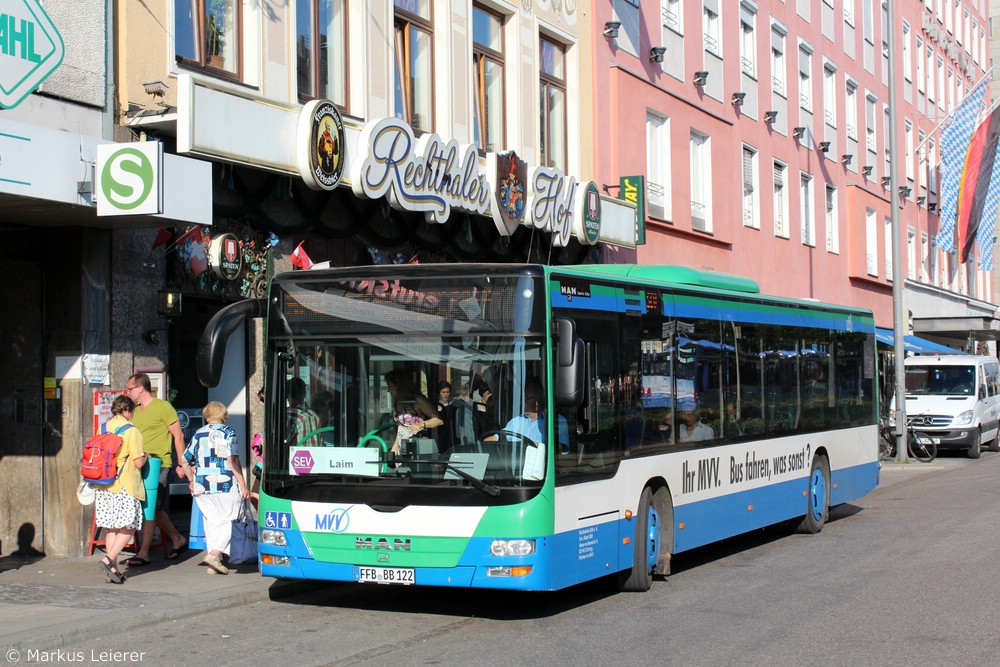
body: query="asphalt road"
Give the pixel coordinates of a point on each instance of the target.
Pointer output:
(902, 577)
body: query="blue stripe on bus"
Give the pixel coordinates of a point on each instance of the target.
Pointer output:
(782, 317)
(604, 302)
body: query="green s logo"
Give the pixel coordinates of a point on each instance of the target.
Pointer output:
(127, 179)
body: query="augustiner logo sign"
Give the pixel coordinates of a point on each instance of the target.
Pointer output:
(320, 139)
(30, 49)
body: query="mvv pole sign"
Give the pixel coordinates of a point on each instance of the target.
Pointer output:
(30, 49)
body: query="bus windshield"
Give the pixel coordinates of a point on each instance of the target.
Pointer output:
(423, 383)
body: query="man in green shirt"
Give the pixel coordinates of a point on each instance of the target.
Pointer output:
(157, 420)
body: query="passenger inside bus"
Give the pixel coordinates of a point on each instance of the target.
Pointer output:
(411, 410)
(691, 428)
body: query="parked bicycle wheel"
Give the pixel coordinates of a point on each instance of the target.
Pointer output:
(921, 447)
(886, 444)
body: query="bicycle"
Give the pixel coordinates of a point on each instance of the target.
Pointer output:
(920, 447)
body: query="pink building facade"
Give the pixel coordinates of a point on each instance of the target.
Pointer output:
(763, 137)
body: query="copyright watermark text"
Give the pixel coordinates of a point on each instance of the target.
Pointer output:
(55, 656)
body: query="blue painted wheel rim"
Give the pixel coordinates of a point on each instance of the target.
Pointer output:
(817, 490)
(652, 537)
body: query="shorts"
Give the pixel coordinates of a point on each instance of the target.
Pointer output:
(162, 493)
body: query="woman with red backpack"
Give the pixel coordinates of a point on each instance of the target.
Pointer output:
(117, 506)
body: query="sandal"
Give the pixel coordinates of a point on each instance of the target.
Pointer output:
(136, 561)
(113, 576)
(177, 551)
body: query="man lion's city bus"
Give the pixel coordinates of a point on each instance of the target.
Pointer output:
(548, 467)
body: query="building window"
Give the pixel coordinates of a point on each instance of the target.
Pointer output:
(888, 248)
(778, 62)
(832, 224)
(713, 42)
(911, 253)
(806, 210)
(780, 201)
(830, 95)
(207, 34)
(552, 92)
(701, 182)
(414, 82)
(907, 67)
(670, 11)
(851, 110)
(908, 154)
(871, 243)
(751, 209)
(930, 75)
(924, 257)
(321, 50)
(488, 62)
(748, 42)
(805, 79)
(658, 202)
(870, 134)
(921, 84)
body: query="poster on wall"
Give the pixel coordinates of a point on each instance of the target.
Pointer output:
(102, 406)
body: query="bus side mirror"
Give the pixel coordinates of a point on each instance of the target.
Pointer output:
(211, 351)
(569, 363)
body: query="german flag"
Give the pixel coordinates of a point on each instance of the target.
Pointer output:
(976, 181)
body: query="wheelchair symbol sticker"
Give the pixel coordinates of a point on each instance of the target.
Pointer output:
(277, 519)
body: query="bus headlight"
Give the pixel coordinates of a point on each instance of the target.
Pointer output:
(964, 418)
(275, 537)
(512, 547)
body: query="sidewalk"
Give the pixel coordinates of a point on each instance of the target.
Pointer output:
(49, 602)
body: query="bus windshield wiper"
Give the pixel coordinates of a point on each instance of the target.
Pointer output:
(477, 483)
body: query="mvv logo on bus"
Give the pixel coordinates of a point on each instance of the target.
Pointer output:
(30, 49)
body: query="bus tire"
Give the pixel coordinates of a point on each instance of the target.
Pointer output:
(646, 545)
(818, 497)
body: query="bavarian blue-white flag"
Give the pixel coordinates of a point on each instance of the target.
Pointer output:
(955, 138)
(987, 225)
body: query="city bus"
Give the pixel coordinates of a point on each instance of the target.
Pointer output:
(774, 420)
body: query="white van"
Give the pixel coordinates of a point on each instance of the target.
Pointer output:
(954, 399)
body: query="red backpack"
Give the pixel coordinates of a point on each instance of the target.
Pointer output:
(99, 463)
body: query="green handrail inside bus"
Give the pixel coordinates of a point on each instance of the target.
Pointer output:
(313, 434)
(374, 435)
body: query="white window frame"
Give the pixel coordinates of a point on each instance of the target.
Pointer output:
(830, 94)
(778, 66)
(751, 186)
(701, 181)
(780, 200)
(671, 15)
(658, 178)
(832, 220)
(805, 77)
(748, 41)
(712, 34)
(851, 108)
(871, 243)
(807, 209)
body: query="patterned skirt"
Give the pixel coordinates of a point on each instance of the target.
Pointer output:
(117, 510)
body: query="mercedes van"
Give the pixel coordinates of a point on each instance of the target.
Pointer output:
(955, 400)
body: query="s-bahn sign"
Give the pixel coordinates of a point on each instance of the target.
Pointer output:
(30, 49)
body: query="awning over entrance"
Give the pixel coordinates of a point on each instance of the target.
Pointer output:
(914, 344)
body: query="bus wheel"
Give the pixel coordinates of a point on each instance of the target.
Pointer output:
(646, 544)
(818, 496)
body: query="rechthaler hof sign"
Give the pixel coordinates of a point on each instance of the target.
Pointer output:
(30, 49)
